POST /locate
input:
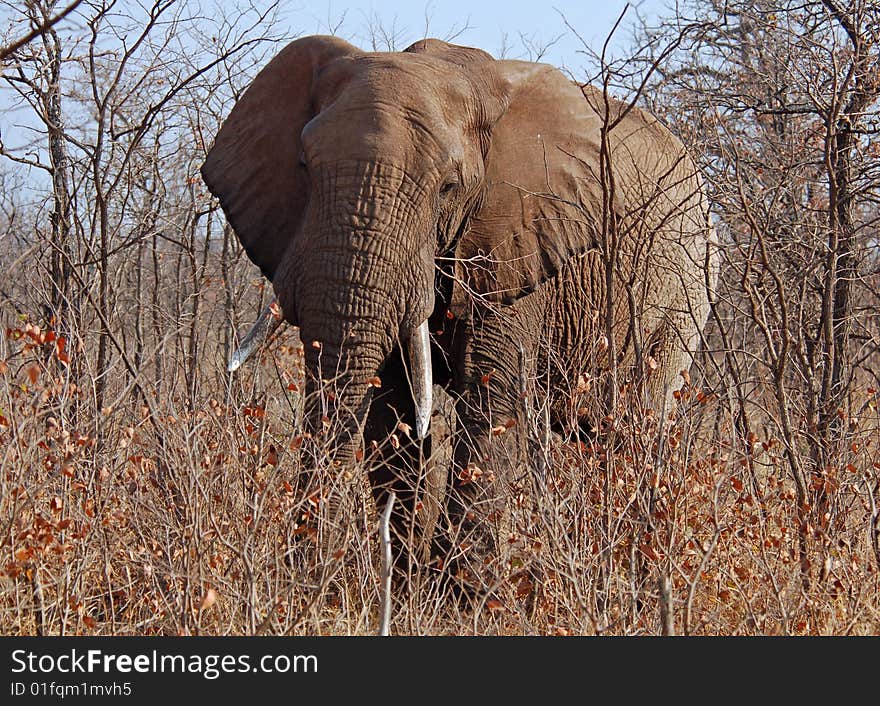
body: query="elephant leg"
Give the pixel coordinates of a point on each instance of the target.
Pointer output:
(495, 362)
(670, 347)
(399, 462)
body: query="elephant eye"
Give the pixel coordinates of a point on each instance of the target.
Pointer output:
(448, 188)
(302, 160)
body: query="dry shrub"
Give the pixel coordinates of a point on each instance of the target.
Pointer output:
(126, 521)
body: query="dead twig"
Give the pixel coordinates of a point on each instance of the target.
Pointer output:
(385, 531)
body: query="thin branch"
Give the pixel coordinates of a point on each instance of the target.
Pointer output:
(42, 28)
(385, 527)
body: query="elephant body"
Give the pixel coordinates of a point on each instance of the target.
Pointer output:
(538, 227)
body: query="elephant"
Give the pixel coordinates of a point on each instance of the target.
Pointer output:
(439, 217)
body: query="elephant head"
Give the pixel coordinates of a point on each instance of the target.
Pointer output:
(350, 176)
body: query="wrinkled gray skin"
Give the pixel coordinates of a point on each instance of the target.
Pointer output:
(378, 190)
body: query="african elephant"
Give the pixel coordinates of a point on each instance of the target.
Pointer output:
(439, 216)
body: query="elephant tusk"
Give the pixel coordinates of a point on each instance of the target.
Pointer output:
(270, 319)
(419, 354)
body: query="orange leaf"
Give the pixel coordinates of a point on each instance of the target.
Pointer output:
(649, 552)
(33, 373)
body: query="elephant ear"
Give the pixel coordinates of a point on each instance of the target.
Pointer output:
(541, 165)
(253, 166)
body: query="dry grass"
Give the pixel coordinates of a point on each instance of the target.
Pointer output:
(127, 521)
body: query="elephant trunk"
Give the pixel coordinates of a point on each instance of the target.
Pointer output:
(417, 345)
(341, 383)
(339, 386)
(364, 284)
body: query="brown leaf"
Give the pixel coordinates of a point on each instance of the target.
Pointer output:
(209, 599)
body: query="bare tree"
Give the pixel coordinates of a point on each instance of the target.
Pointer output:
(782, 101)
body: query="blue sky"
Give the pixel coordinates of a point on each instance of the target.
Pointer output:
(509, 28)
(487, 24)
